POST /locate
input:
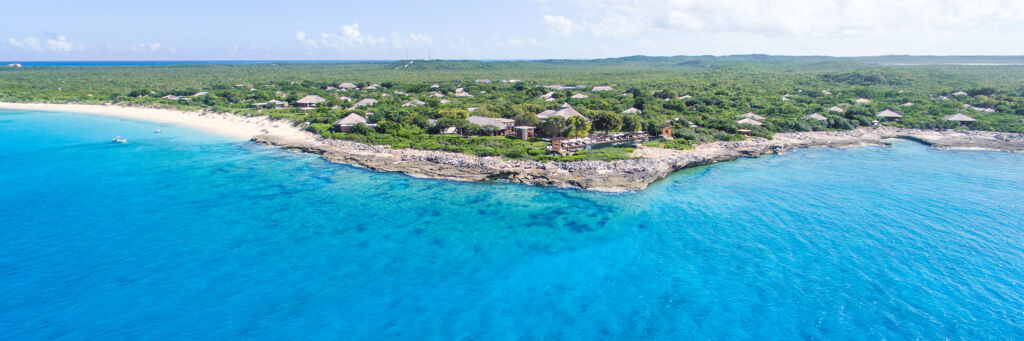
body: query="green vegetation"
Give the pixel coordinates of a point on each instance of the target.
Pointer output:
(700, 97)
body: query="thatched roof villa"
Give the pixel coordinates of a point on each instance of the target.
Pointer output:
(815, 116)
(565, 111)
(752, 116)
(345, 124)
(310, 101)
(749, 121)
(888, 114)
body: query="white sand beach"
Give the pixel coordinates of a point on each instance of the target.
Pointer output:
(229, 125)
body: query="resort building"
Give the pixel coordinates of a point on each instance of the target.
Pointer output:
(862, 101)
(483, 81)
(826, 92)
(201, 93)
(602, 88)
(579, 96)
(959, 93)
(566, 146)
(345, 124)
(414, 103)
(632, 111)
(836, 109)
(277, 104)
(444, 130)
(566, 112)
(685, 97)
(815, 116)
(372, 87)
(749, 121)
(270, 104)
(751, 116)
(524, 132)
(666, 131)
(889, 115)
(560, 87)
(963, 119)
(908, 104)
(365, 102)
(310, 101)
(505, 126)
(348, 86)
(987, 110)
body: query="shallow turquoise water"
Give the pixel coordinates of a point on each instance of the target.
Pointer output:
(186, 235)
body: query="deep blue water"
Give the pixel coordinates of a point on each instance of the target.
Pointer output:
(185, 235)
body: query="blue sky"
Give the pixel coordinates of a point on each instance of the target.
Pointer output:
(353, 30)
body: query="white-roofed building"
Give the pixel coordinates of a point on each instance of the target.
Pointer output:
(310, 101)
(365, 102)
(345, 124)
(888, 114)
(751, 116)
(505, 126)
(565, 111)
(749, 121)
(815, 116)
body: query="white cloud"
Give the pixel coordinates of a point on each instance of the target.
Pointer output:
(140, 47)
(559, 25)
(351, 38)
(513, 42)
(59, 43)
(460, 44)
(410, 40)
(816, 18)
(30, 43)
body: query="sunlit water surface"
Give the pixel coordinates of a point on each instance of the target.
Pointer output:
(187, 235)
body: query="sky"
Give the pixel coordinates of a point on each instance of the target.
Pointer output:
(528, 29)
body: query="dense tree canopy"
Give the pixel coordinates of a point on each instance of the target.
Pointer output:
(701, 97)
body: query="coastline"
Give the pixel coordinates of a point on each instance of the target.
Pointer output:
(650, 165)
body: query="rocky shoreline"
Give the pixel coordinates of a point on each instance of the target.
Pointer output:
(650, 164)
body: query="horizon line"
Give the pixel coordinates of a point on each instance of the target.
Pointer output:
(497, 59)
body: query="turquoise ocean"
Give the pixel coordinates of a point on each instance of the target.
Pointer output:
(188, 235)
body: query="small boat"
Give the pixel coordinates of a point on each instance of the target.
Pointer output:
(156, 131)
(118, 139)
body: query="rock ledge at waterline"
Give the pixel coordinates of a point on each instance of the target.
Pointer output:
(650, 164)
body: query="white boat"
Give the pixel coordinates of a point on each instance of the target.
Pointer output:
(156, 131)
(118, 139)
